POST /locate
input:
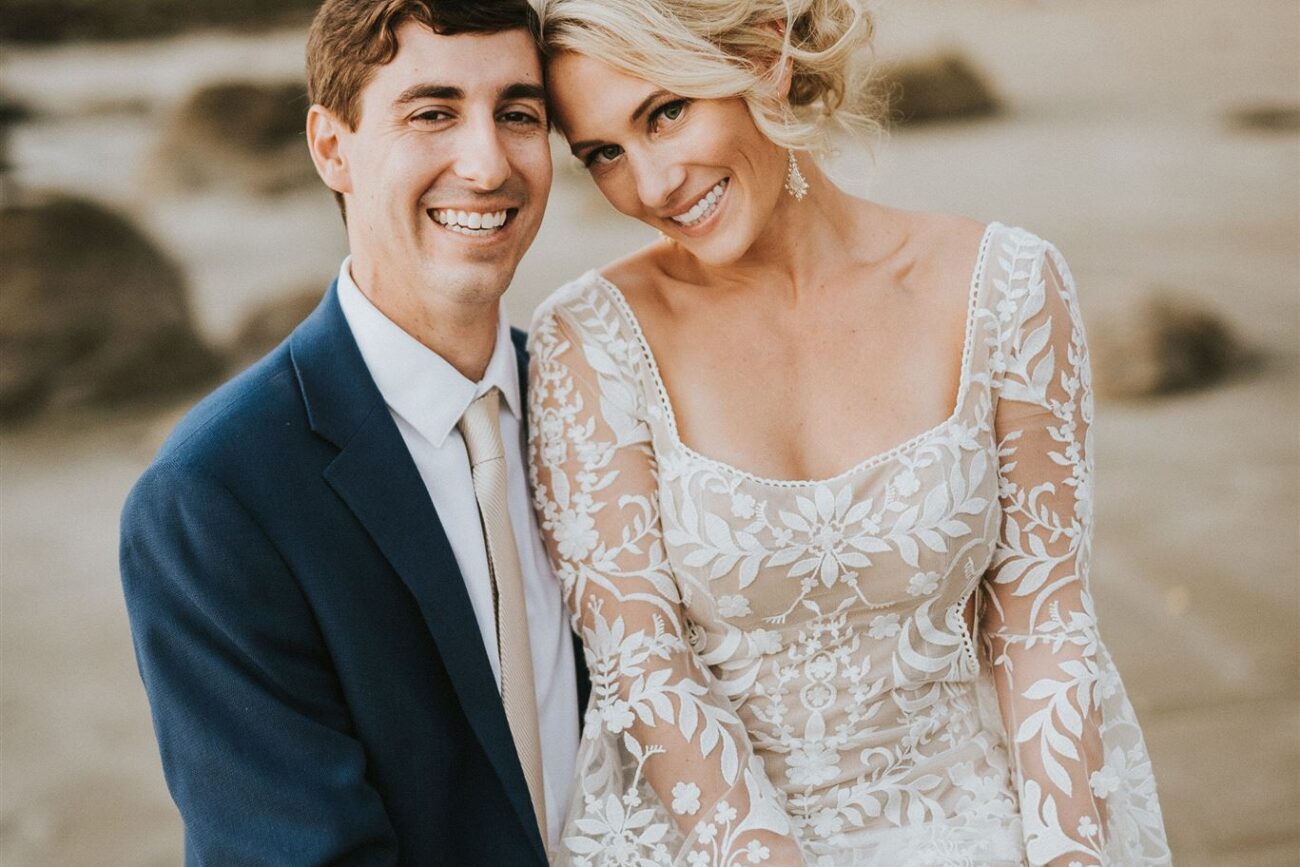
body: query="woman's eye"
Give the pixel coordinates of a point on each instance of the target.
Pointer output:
(669, 111)
(604, 154)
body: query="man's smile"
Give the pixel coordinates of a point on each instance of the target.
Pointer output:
(473, 223)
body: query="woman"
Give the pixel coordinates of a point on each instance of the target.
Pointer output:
(816, 636)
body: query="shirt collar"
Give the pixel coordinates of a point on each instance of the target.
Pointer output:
(416, 382)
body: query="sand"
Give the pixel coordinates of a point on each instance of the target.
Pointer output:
(1116, 146)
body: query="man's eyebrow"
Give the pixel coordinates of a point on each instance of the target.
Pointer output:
(429, 91)
(524, 90)
(518, 90)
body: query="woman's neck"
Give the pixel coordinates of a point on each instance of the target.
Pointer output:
(805, 242)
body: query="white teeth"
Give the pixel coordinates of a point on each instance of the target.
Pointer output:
(470, 222)
(704, 206)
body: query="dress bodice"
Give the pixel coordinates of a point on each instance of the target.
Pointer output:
(890, 666)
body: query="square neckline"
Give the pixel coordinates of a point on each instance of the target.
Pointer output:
(872, 460)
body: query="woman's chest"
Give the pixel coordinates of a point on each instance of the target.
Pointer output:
(807, 400)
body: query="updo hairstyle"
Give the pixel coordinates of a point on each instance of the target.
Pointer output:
(720, 49)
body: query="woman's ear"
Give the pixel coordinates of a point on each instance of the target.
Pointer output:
(786, 74)
(327, 138)
(782, 89)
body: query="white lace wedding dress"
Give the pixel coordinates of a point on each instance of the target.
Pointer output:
(783, 671)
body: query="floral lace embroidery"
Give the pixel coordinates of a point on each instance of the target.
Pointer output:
(783, 672)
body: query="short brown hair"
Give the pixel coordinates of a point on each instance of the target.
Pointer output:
(350, 39)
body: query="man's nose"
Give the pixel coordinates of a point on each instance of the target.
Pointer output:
(481, 158)
(656, 179)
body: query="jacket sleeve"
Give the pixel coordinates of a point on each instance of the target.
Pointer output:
(254, 734)
(666, 772)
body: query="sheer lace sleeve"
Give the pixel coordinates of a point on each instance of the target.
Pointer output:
(1087, 795)
(666, 774)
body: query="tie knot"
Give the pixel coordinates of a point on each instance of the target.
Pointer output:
(481, 428)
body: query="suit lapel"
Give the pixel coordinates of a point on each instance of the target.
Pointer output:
(375, 475)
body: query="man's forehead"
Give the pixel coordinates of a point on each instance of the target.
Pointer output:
(472, 62)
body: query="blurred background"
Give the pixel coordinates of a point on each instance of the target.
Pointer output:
(161, 226)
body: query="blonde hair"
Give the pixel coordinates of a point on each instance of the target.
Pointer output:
(720, 49)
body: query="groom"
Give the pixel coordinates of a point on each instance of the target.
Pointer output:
(352, 644)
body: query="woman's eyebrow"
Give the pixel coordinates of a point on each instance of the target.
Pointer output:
(641, 109)
(645, 104)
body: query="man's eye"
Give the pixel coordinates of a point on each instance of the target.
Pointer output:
(432, 115)
(518, 117)
(604, 154)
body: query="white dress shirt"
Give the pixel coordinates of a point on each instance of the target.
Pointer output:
(427, 397)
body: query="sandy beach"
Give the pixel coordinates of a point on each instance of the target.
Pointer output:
(1115, 145)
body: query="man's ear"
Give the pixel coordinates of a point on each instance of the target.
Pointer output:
(327, 137)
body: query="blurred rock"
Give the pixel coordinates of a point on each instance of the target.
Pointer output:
(90, 311)
(1167, 344)
(242, 135)
(42, 21)
(269, 323)
(942, 87)
(1265, 118)
(12, 111)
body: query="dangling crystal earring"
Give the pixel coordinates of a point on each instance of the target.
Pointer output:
(795, 183)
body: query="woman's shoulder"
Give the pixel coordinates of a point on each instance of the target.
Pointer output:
(582, 309)
(1010, 238)
(590, 312)
(961, 251)
(925, 250)
(955, 243)
(566, 299)
(952, 246)
(1017, 258)
(946, 235)
(991, 268)
(603, 292)
(638, 271)
(1026, 285)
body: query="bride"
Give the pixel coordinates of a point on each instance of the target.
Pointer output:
(816, 476)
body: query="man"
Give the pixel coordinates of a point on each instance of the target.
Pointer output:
(353, 647)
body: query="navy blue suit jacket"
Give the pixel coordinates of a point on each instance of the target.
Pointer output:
(318, 681)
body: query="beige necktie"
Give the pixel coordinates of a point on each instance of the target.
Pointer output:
(481, 428)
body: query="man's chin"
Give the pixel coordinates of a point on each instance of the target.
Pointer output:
(471, 281)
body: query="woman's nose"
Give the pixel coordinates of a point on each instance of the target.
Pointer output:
(656, 180)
